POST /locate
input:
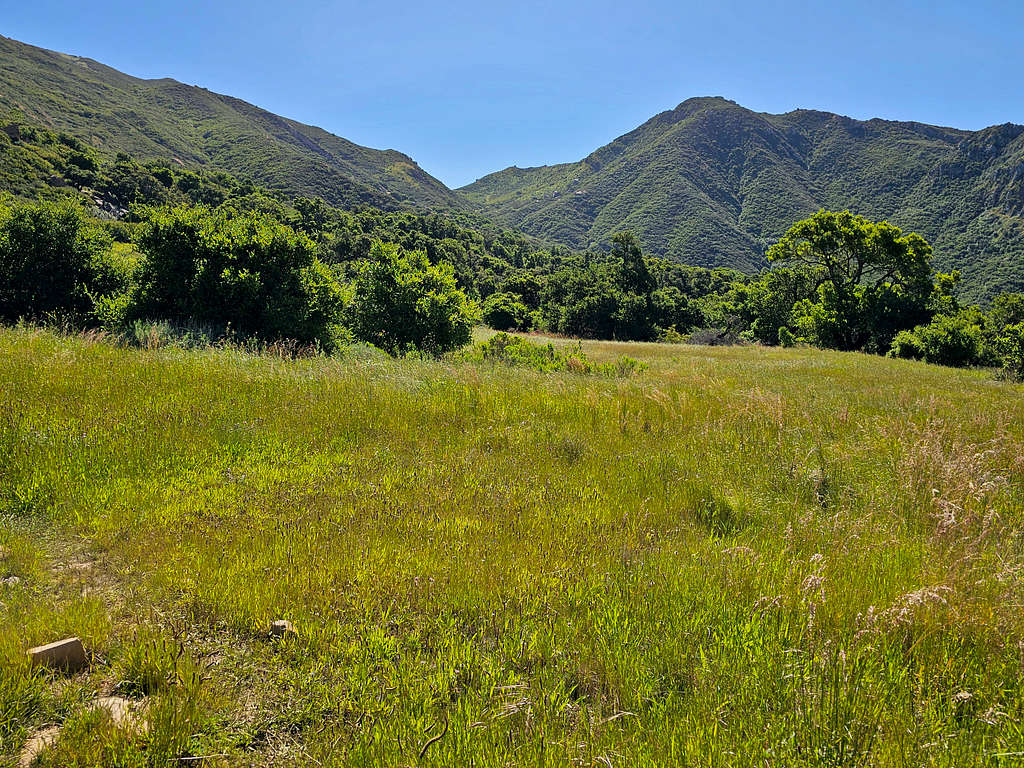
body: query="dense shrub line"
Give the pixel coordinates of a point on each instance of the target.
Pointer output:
(244, 275)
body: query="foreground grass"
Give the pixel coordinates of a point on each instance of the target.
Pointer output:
(742, 557)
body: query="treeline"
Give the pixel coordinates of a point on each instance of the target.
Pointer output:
(152, 241)
(243, 275)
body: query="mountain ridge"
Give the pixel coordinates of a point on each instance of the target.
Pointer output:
(167, 119)
(708, 182)
(713, 183)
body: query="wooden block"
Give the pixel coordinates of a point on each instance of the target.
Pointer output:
(68, 654)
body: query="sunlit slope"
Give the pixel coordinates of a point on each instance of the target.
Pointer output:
(713, 183)
(166, 119)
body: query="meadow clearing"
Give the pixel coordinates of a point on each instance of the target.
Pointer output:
(738, 557)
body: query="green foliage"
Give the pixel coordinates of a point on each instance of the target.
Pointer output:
(956, 340)
(618, 297)
(1011, 346)
(1007, 309)
(517, 351)
(766, 304)
(402, 303)
(505, 312)
(634, 275)
(50, 256)
(245, 272)
(872, 280)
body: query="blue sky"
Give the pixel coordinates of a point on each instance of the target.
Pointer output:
(467, 88)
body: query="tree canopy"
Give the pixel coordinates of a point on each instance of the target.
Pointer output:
(870, 279)
(403, 303)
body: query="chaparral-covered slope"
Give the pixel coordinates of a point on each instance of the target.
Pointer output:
(167, 119)
(713, 183)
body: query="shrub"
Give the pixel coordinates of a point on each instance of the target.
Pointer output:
(1011, 347)
(247, 272)
(515, 350)
(671, 335)
(1007, 309)
(403, 303)
(908, 346)
(49, 254)
(505, 312)
(954, 340)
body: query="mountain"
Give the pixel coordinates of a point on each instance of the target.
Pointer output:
(712, 183)
(708, 183)
(165, 119)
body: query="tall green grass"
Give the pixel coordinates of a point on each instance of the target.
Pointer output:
(739, 557)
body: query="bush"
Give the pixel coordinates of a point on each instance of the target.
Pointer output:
(1011, 347)
(907, 345)
(514, 350)
(49, 257)
(244, 272)
(953, 340)
(404, 303)
(505, 312)
(671, 335)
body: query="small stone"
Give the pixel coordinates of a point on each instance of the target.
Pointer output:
(281, 627)
(12, 581)
(68, 655)
(122, 711)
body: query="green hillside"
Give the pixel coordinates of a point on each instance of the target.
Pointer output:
(712, 183)
(165, 119)
(708, 183)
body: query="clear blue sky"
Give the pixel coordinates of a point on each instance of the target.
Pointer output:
(467, 88)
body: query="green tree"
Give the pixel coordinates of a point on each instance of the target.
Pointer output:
(766, 304)
(403, 303)
(526, 287)
(871, 280)
(505, 312)
(246, 271)
(634, 276)
(1011, 347)
(1007, 309)
(49, 254)
(582, 302)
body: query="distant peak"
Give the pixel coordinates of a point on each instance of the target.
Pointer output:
(695, 103)
(702, 100)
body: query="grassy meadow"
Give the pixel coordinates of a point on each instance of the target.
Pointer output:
(739, 557)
